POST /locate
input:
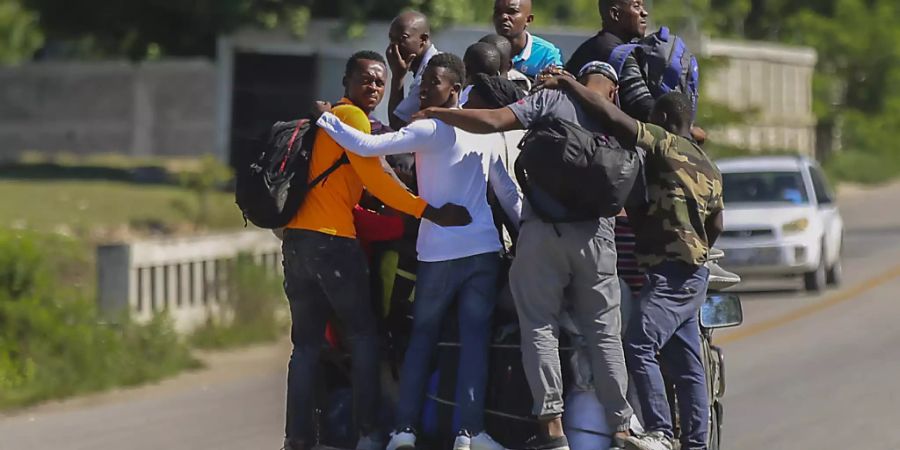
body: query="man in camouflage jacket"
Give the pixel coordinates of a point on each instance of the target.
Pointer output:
(674, 229)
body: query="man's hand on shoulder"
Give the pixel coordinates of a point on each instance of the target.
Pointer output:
(559, 81)
(449, 215)
(320, 107)
(699, 135)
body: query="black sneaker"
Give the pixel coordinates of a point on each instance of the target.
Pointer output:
(539, 442)
(295, 444)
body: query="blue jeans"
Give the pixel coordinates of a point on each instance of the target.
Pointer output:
(666, 324)
(324, 273)
(472, 281)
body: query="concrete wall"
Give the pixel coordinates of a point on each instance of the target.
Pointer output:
(184, 277)
(183, 107)
(773, 80)
(159, 108)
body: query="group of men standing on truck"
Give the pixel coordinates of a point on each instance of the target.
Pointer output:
(455, 118)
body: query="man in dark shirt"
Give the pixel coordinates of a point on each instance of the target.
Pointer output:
(623, 21)
(674, 231)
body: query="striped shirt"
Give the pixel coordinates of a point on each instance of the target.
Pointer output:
(627, 264)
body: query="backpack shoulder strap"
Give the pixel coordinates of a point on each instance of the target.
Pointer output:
(673, 75)
(330, 170)
(336, 164)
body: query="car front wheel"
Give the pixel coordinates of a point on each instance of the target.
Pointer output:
(835, 273)
(816, 280)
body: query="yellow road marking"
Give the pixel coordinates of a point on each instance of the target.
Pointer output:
(832, 300)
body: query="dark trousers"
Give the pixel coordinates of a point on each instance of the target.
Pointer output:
(325, 274)
(666, 323)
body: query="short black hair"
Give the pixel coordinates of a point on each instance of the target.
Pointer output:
(496, 91)
(482, 57)
(361, 55)
(501, 43)
(451, 63)
(678, 107)
(605, 5)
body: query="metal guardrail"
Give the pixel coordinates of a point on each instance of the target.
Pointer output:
(185, 277)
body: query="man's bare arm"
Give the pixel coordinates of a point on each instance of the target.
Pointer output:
(621, 125)
(478, 121)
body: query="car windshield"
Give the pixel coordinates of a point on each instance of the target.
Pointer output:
(764, 187)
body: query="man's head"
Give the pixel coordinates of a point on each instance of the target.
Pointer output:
(483, 58)
(624, 18)
(442, 81)
(411, 33)
(492, 92)
(674, 112)
(364, 80)
(512, 17)
(601, 78)
(505, 48)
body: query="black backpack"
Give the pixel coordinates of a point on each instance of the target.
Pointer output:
(569, 174)
(270, 189)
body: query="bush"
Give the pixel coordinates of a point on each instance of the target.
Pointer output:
(203, 182)
(860, 167)
(52, 341)
(253, 312)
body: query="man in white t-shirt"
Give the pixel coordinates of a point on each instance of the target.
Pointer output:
(455, 265)
(409, 52)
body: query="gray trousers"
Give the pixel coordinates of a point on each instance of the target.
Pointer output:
(570, 266)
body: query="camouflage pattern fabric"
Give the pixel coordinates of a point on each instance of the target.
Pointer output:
(684, 188)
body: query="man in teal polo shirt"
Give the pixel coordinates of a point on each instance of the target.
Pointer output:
(531, 54)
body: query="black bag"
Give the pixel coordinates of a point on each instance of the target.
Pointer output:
(271, 188)
(508, 401)
(569, 174)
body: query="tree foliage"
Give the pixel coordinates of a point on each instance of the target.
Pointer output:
(20, 34)
(857, 40)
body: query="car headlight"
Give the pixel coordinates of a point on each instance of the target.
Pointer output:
(796, 226)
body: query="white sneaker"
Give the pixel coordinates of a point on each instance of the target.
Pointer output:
(655, 440)
(463, 441)
(404, 439)
(370, 442)
(484, 441)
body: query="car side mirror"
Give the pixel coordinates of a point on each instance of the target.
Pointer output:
(721, 311)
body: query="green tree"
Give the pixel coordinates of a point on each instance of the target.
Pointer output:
(20, 34)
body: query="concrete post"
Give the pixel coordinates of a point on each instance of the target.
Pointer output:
(114, 279)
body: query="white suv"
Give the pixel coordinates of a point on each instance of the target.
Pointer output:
(781, 220)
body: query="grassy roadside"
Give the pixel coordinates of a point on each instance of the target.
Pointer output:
(53, 341)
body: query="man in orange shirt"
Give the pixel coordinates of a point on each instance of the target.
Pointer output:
(325, 269)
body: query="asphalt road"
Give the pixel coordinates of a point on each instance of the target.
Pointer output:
(803, 372)
(824, 372)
